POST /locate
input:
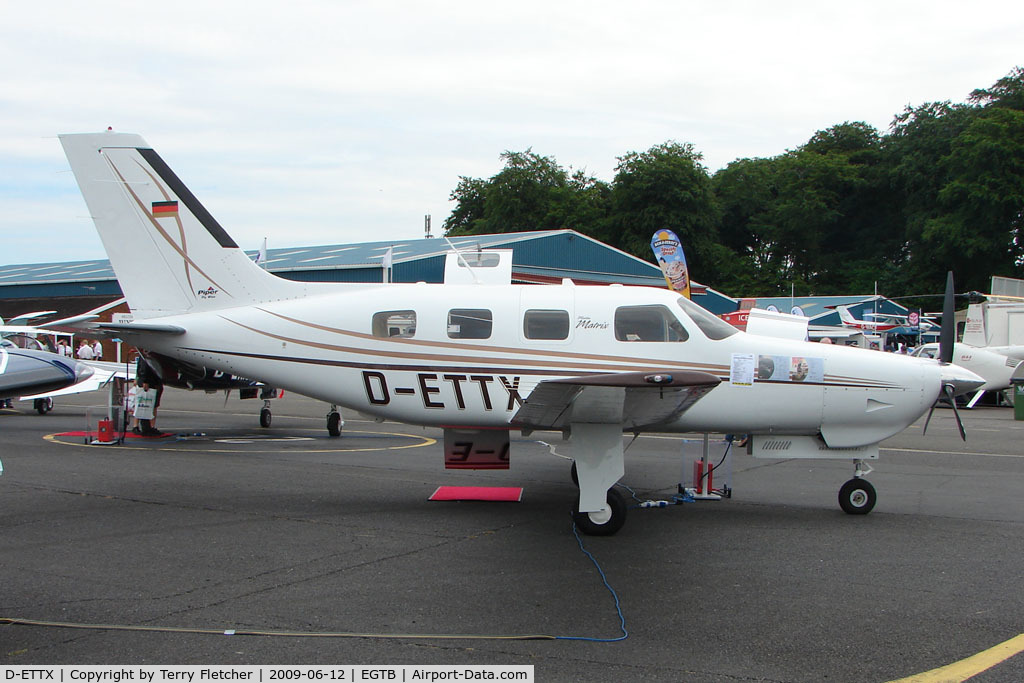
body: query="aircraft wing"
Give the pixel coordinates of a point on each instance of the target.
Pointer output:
(632, 399)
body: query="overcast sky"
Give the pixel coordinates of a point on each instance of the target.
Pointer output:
(319, 122)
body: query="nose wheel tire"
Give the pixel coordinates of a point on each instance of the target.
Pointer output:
(334, 424)
(607, 521)
(265, 418)
(857, 497)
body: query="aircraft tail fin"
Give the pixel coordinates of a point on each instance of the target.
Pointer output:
(975, 332)
(170, 255)
(846, 317)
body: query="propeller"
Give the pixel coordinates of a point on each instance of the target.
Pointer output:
(950, 386)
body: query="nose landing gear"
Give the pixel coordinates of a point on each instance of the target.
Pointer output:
(857, 496)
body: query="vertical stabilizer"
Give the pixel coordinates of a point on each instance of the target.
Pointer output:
(170, 255)
(975, 332)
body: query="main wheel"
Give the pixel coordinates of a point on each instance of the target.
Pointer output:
(606, 522)
(857, 497)
(43, 405)
(334, 424)
(265, 417)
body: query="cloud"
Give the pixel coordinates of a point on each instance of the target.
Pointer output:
(321, 122)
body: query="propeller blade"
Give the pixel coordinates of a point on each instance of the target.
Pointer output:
(948, 333)
(951, 396)
(929, 418)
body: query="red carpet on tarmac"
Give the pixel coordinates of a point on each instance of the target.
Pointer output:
(127, 435)
(504, 494)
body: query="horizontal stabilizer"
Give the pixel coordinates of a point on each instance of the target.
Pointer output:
(140, 328)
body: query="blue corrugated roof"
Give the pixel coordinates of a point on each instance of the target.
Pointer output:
(540, 255)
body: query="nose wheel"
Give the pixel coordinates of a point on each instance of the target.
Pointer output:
(265, 415)
(334, 422)
(857, 496)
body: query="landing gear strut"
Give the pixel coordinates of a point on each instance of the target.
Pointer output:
(598, 464)
(334, 422)
(857, 496)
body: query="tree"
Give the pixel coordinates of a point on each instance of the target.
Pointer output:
(532, 192)
(666, 187)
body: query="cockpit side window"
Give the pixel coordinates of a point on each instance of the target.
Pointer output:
(394, 324)
(651, 323)
(712, 326)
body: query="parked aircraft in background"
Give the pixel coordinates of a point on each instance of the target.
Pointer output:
(881, 322)
(995, 368)
(481, 360)
(31, 371)
(992, 346)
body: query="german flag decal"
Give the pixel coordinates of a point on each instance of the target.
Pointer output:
(165, 209)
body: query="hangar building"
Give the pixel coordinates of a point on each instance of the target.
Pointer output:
(537, 257)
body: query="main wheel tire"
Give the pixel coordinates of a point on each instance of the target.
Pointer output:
(857, 497)
(603, 523)
(334, 424)
(265, 418)
(43, 405)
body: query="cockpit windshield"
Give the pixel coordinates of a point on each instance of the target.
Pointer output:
(713, 327)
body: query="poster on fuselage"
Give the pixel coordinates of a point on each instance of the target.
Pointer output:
(790, 369)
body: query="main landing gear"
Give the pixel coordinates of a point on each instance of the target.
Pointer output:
(43, 405)
(857, 496)
(334, 422)
(598, 465)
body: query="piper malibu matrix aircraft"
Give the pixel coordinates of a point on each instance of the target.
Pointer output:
(481, 360)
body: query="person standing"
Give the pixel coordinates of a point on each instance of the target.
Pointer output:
(97, 350)
(145, 410)
(84, 350)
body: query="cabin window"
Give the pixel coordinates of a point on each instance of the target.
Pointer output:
(653, 323)
(476, 259)
(711, 325)
(394, 324)
(542, 324)
(469, 323)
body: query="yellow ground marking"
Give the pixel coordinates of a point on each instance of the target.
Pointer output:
(421, 442)
(970, 667)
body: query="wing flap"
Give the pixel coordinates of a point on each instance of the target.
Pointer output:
(632, 399)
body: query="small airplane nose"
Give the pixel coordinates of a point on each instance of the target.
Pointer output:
(961, 379)
(82, 372)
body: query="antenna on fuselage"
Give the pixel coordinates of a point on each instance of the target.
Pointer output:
(465, 263)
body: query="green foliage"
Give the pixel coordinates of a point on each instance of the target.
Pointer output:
(531, 192)
(666, 187)
(944, 189)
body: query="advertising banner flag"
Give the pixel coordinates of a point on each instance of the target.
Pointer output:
(669, 253)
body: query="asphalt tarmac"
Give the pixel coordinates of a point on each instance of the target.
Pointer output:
(285, 530)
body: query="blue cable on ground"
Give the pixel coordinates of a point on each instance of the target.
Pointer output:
(615, 596)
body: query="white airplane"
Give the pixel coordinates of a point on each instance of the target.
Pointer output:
(995, 368)
(31, 371)
(481, 360)
(880, 322)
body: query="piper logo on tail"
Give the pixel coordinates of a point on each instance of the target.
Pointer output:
(208, 293)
